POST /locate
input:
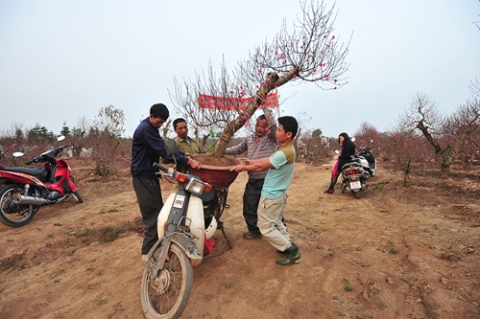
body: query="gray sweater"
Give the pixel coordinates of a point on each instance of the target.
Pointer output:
(264, 147)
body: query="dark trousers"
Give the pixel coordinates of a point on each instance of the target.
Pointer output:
(149, 197)
(251, 198)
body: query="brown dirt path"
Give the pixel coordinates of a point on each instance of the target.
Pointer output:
(395, 253)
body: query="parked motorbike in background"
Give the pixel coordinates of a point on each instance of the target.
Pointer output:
(185, 225)
(24, 190)
(356, 173)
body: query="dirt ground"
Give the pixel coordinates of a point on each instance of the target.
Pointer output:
(394, 253)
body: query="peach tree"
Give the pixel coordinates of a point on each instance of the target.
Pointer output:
(309, 52)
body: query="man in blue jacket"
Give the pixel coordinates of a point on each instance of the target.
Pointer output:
(147, 148)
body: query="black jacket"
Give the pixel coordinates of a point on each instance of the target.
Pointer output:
(345, 157)
(147, 148)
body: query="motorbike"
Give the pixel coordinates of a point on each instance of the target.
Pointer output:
(368, 161)
(24, 190)
(356, 173)
(185, 225)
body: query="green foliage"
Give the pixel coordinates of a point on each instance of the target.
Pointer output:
(41, 133)
(19, 135)
(213, 145)
(392, 250)
(317, 133)
(65, 130)
(347, 285)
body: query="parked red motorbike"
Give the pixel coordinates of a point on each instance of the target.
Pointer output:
(24, 190)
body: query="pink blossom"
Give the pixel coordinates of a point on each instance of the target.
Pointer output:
(325, 76)
(333, 37)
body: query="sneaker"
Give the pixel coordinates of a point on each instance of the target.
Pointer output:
(292, 256)
(329, 191)
(251, 235)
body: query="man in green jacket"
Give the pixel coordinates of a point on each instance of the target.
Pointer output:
(185, 143)
(188, 145)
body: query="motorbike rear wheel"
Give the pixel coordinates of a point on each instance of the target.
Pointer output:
(166, 295)
(357, 195)
(11, 213)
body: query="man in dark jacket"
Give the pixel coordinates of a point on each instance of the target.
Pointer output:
(147, 148)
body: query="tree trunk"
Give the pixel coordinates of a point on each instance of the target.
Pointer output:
(445, 169)
(444, 163)
(272, 81)
(406, 175)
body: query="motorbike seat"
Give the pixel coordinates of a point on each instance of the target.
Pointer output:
(356, 160)
(352, 164)
(39, 173)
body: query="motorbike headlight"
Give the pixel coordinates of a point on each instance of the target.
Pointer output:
(195, 186)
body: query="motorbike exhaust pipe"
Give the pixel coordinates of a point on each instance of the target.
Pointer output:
(31, 200)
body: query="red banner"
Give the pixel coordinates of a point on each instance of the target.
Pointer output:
(232, 104)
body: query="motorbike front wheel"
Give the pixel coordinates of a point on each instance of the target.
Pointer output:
(77, 197)
(166, 295)
(11, 213)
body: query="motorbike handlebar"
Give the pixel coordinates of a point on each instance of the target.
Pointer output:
(160, 167)
(39, 158)
(31, 161)
(59, 149)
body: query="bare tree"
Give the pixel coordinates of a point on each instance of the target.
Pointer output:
(447, 135)
(367, 136)
(79, 135)
(404, 150)
(308, 53)
(104, 137)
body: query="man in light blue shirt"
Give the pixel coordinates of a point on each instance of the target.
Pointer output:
(274, 198)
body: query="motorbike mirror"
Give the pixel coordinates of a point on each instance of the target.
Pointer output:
(17, 154)
(170, 146)
(60, 138)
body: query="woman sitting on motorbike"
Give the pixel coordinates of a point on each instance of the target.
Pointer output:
(346, 152)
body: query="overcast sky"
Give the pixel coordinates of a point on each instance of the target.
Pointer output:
(64, 60)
